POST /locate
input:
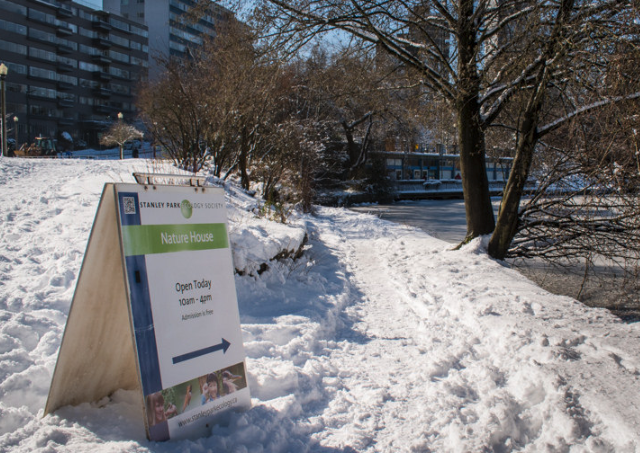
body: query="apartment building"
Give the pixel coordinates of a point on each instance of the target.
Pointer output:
(72, 68)
(172, 29)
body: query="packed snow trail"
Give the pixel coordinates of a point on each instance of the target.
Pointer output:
(463, 357)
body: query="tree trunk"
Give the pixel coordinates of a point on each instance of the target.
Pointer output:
(508, 217)
(242, 159)
(475, 184)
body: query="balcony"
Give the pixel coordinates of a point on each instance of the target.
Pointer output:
(102, 76)
(103, 109)
(63, 31)
(102, 92)
(101, 25)
(64, 12)
(65, 103)
(66, 121)
(102, 42)
(64, 67)
(101, 59)
(64, 86)
(63, 48)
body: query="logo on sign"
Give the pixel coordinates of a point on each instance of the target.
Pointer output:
(186, 208)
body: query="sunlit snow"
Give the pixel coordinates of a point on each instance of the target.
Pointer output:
(379, 339)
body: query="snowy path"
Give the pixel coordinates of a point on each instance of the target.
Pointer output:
(462, 357)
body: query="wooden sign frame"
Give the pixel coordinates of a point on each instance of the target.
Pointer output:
(97, 354)
(110, 340)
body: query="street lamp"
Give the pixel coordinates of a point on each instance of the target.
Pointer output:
(120, 116)
(3, 74)
(15, 129)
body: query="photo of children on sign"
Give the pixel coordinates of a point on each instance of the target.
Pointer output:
(191, 395)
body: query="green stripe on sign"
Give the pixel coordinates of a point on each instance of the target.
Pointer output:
(150, 239)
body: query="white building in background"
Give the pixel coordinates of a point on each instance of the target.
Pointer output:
(171, 31)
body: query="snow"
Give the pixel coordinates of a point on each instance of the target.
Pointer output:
(380, 338)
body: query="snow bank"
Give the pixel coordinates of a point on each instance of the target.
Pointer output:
(256, 242)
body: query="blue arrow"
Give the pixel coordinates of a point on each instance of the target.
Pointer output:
(200, 352)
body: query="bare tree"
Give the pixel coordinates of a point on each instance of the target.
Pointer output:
(120, 133)
(204, 109)
(501, 52)
(416, 33)
(585, 214)
(176, 114)
(575, 81)
(231, 106)
(363, 101)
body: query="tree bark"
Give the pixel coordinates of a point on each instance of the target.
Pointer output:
(508, 217)
(475, 184)
(242, 159)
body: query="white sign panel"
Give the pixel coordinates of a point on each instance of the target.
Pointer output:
(183, 306)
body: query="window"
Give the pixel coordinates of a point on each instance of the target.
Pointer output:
(89, 66)
(67, 96)
(86, 15)
(178, 47)
(13, 47)
(40, 35)
(88, 50)
(40, 16)
(43, 92)
(176, 32)
(41, 73)
(124, 58)
(120, 89)
(12, 7)
(119, 24)
(179, 5)
(13, 28)
(119, 40)
(17, 68)
(70, 61)
(70, 44)
(87, 33)
(17, 88)
(139, 31)
(68, 79)
(139, 62)
(117, 72)
(35, 109)
(41, 54)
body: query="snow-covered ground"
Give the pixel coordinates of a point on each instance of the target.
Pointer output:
(379, 339)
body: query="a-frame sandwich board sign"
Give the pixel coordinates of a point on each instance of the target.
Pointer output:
(155, 309)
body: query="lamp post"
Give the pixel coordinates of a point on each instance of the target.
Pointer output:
(120, 116)
(3, 74)
(15, 130)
